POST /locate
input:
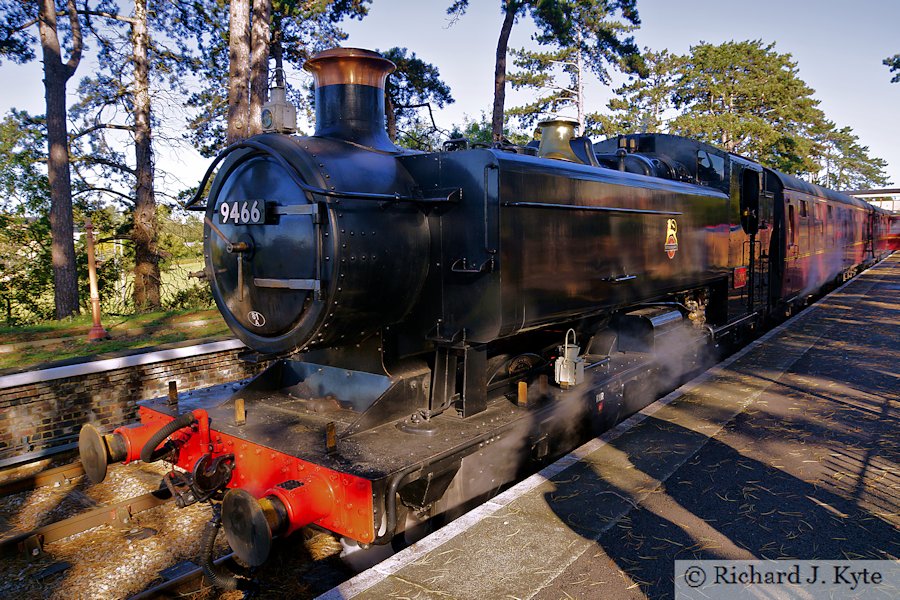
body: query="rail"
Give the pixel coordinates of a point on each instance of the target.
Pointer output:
(119, 513)
(54, 476)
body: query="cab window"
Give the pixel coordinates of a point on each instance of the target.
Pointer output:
(710, 168)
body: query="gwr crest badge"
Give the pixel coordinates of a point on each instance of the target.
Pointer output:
(671, 246)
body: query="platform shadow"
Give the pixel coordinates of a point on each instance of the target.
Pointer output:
(701, 498)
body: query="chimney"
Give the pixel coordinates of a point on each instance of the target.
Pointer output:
(350, 96)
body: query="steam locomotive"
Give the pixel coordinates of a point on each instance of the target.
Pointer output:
(435, 323)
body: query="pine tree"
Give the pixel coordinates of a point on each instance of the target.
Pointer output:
(238, 71)
(592, 27)
(134, 62)
(845, 163)
(16, 21)
(539, 71)
(231, 97)
(747, 98)
(414, 85)
(640, 105)
(893, 63)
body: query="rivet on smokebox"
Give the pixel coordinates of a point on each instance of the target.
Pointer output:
(240, 415)
(330, 438)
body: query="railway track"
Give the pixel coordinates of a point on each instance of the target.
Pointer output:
(185, 577)
(187, 581)
(54, 476)
(117, 514)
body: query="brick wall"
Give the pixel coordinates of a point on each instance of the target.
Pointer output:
(39, 415)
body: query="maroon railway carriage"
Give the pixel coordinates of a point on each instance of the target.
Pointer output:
(824, 237)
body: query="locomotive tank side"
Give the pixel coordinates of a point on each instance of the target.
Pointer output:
(579, 240)
(297, 255)
(557, 241)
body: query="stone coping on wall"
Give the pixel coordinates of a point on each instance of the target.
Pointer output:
(110, 364)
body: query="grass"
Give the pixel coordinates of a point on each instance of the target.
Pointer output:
(52, 341)
(173, 279)
(128, 333)
(79, 325)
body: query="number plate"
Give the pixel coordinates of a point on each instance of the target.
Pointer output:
(243, 212)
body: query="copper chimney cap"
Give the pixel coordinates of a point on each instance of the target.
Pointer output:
(338, 66)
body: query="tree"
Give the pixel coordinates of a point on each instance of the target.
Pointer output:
(133, 60)
(144, 232)
(413, 85)
(16, 19)
(538, 70)
(115, 91)
(639, 105)
(296, 30)
(748, 99)
(259, 62)
(587, 25)
(479, 132)
(845, 163)
(238, 71)
(893, 63)
(26, 266)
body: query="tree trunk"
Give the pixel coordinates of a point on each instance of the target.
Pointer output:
(390, 113)
(56, 74)
(259, 62)
(500, 70)
(238, 71)
(144, 231)
(579, 68)
(276, 51)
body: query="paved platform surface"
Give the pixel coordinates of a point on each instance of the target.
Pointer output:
(788, 450)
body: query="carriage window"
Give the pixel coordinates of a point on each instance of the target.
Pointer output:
(791, 225)
(710, 168)
(803, 212)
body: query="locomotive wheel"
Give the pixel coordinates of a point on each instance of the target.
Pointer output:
(506, 366)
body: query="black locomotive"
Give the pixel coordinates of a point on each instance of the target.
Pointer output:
(437, 322)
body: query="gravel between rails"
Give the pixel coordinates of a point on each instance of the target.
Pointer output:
(105, 565)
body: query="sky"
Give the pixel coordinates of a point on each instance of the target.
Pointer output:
(838, 47)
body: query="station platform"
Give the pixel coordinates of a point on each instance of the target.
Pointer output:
(789, 449)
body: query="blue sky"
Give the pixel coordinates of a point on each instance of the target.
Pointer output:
(839, 48)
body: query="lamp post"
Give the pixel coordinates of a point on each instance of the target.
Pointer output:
(97, 332)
